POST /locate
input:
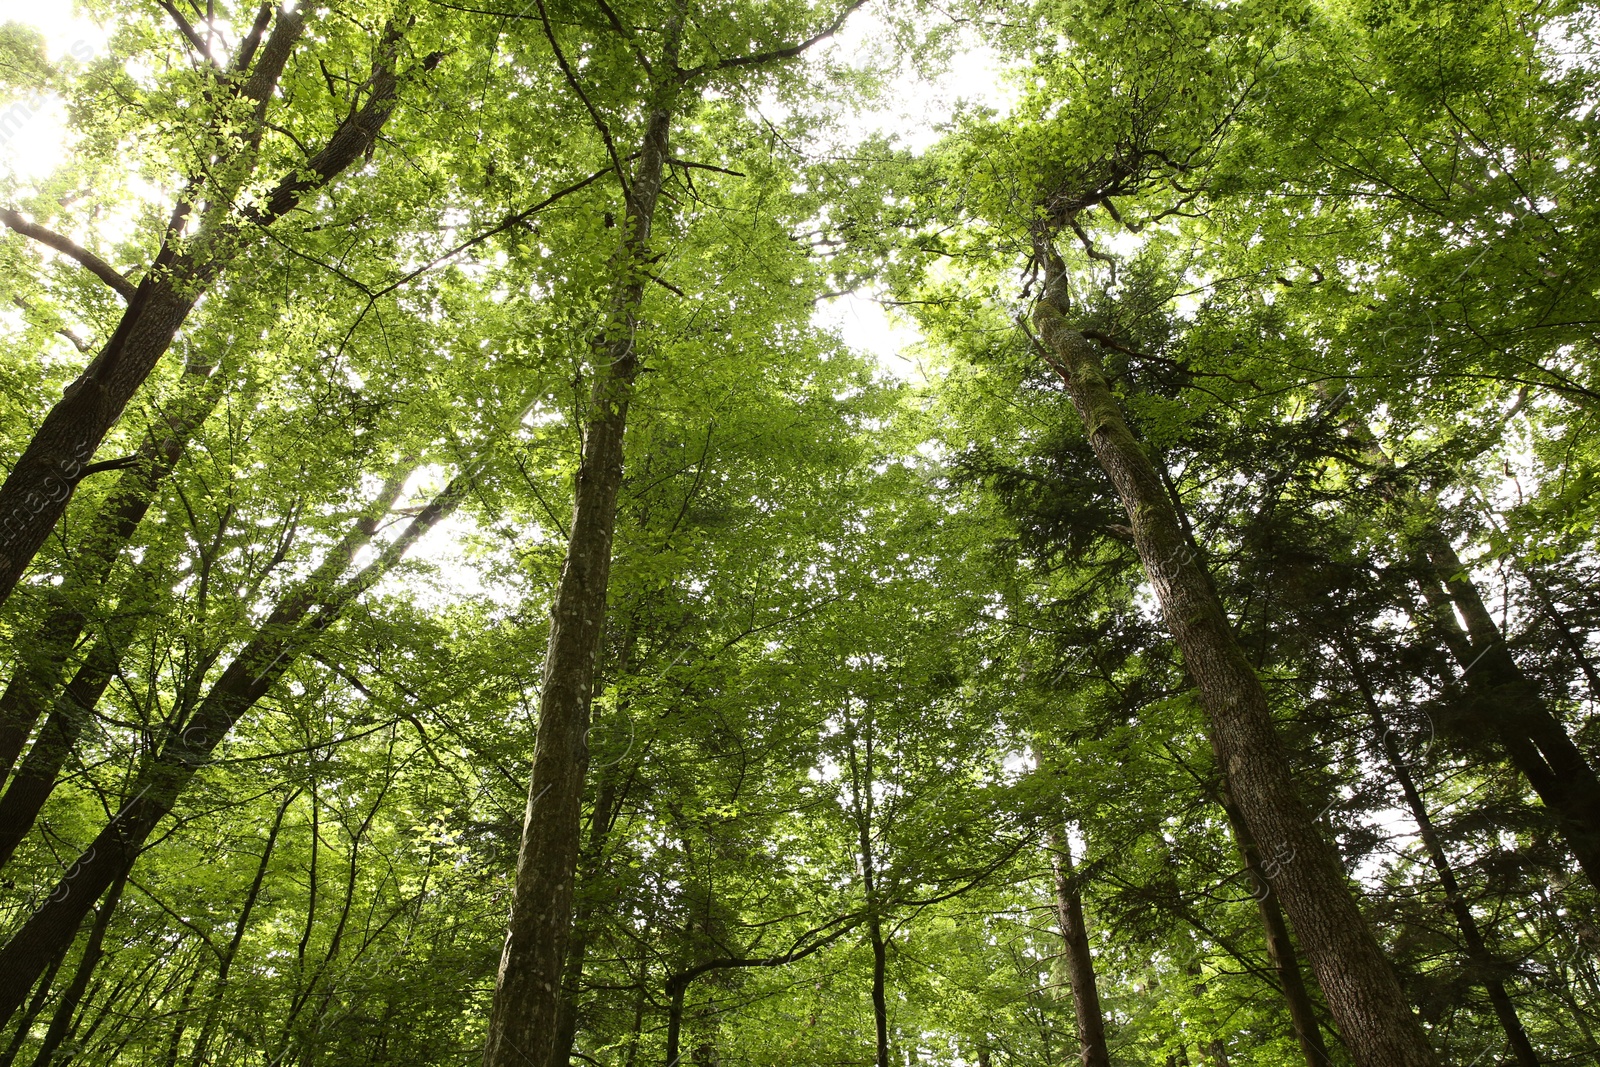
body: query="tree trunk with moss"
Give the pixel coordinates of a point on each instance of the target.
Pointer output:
(1304, 870)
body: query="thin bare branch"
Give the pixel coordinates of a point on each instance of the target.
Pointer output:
(684, 163)
(577, 87)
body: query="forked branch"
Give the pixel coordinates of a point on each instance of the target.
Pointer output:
(189, 32)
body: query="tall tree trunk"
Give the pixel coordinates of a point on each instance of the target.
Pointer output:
(41, 665)
(35, 493)
(303, 614)
(1502, 696)
(336, 939)
(880, 999)
(181, 1023)
(1080, 961)
(93, 950)
(1502, 702)
(641, 997)
(34, 781)
(861, 804)
(1280, 947)
(25, 1023)
(605, 807)
(1483, 961)
(225, 964)
(675, 990)
(525, 1022)
(1361, 988)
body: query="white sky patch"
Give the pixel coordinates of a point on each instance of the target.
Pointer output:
(33, 132)
(915, 108)
(913, 112)
(867, 327)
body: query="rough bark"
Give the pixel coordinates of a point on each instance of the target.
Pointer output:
(303, 614)
(39, 670)
(1280, 947)
(35, 492)
(525, 1022)
(93, 950)
(1080, 961)
(1361, 988)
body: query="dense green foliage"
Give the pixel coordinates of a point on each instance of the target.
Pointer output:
(872, 643)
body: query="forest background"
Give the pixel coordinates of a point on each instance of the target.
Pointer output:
(644, 531)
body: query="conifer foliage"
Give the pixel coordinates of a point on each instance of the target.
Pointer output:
(471, 590)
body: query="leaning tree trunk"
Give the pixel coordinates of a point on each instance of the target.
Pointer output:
(1080, 961)
(40, 667)
(35, 493)
(34, 681)
(1489, 969)
(1361, 988)
(1501, 697)
(525, 1022)
(25, 1023)
(1502, 703)
(36, 779)
(280, 640)
(93, 950)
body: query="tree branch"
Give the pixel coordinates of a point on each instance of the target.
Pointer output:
(189, 33)
(798, 951)
(789, 51)
(1094, 253)
(594, 115)
(77, 342)
(666, 284)
(122, 463)
(86, 259)
(252, 41)
(686, 165)
(622, 31)
(355, 136)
